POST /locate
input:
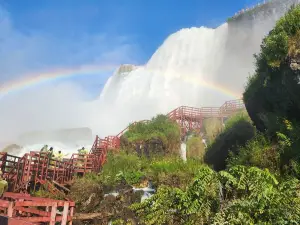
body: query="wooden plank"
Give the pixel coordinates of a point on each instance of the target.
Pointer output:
(10, 209)
(64, 219)
(40, 201)
(4, 203)
(53, 214)
(33, 210)
(34, 219)
(66, 189)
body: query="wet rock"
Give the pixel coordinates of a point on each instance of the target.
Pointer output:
(87, 195)
(123, 187)
(12, 149)
(295, 66)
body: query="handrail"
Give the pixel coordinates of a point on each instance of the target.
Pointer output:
(193, 113)
(38, 167)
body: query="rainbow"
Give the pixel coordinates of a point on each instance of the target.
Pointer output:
(212, 86)
(194, 79)
(30, 80)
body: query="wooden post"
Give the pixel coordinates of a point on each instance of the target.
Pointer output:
(10, 209)
(21, 200)
(64, 219)
(71, 214)
(53, 213)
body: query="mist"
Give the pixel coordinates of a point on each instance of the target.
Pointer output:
(172, 77)
(194, 66)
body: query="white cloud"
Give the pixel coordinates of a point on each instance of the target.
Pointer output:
(51, 105)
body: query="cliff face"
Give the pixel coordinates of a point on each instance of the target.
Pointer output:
(267, 8)
(126, 68)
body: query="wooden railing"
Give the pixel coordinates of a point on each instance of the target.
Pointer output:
(36, 210)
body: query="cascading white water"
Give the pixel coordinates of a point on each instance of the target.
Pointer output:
(67, 150)
(195, 67)
(183, 151)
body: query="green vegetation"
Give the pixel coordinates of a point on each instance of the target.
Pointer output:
(159, 132)
(238, 130)
(134, 170)
(255, 171)
(195, 148)
(272, 93)
(123, 166)
(241, 195)
(251, 154)
(246, 192)
(212, 127)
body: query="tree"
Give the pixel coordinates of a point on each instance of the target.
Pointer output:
(272, 93)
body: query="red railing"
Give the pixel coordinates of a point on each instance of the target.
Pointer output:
(185, 116)
(38, 167)
(36, 210)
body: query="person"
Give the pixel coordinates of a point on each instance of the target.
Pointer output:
(82, 151)
(82, 156)
(59, 156)
(3, 184)
(50, 155)
(45, 148)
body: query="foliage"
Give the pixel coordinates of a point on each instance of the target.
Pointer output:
(238, 130)
(288, 140)
(121, 222)
(241, 195)
(212, 127)
(272, 93)
(44, 193)
(174, 206)
(87, 193)
(173, 171)
(160, 127)
(235, 118)
(251, 154)
(246, 193)
(254, 196)
(122, 166)
(170, 170)
(195, 148)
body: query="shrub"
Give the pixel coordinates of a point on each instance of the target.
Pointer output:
(173, 171)
(122, 166)
(259, 152)
(238, 130)
(160, 130)
(241, 195)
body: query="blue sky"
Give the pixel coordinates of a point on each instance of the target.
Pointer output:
(38, 35)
